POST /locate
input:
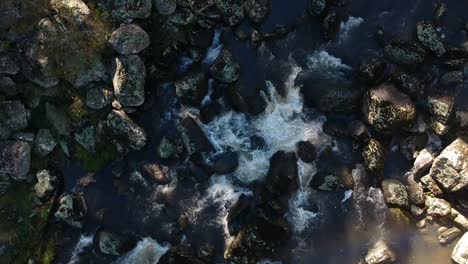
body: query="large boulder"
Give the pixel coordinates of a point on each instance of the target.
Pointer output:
(232, 11)
(460, 251)
(404, 53)
(15, 159)
(283, 173)
(386, 108)
(125, 9)
(225, 68)
(129, 80)
(395, 193)
(450, 168)
(13, 118)
(129, 39)
(257, 10)
(195, 139)
(246, 99)
(428, 37)
(192, 88)
(76, 10)
(374, 156)
(380, 253)
(72, 209)
(226, 162)
(127, 130)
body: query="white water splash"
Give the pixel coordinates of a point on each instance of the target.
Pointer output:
(83, 242)
(325, 65)
(347, 28)
(347, 195)
(147, 251)
(215, 48)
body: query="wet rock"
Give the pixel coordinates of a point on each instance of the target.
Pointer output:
(129, 80)
(395, 193)
(168, 149)
(209, 111)
(98, 97)
(44, 143)
(192, 88)
(124, 128)
(460, 251)
(225, 68)
(459, 219)
(72, 209)
(86, 137)
(257, 10)
(125, 9)
(448, 235)
(75, 10)
(46, 184)
(165, 7)
(246, 99)
(129, 39)
(316, 7)
(437, 206)
(428, 37)
(330, 24)
(10, 13)
(415, 191)
(194, 137)
(450, 167)
(417, 211)
(239, 213)
(451, 78)
(358, 130)
(155, 172)
(455, 58)
(15, 159)
(110, 243)
(422, 163)
(441, 106)
(439, 12)
(200, 5)
(282, 173)
(380, 253)
(374, 156)
(411, 145)
(13, 118)
(58, 119)
(180, 254)
(438, 127)
(404, 53)
(306, 151)
(232, 11)
(431, 185)
(371, 70)
(409, 83)
(225, 163)
(385, 108)
(332, 173)
(8, 64)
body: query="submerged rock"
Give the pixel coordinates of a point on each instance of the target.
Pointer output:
(380, 253)
(15, 159)
(127, 130)
(44, 143)
(72, 209)
(257, 10)
(225, 68)
(385, 108)
(125, 9)
(169, 149)
(448, 235)
(129, 39)
(46, 184)
(460, 251)
(428, 37)
(404, 53)
(129, 80)
(192, 88)
(395, 193)
(374, 156)
(451, 78)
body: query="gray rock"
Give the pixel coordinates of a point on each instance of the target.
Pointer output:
(232, 11)
(58, 119)
(127, 9)
(194, 138)
(448, 235)
(15, 159)
(460, 251)
(98, 97)
(82, 69)
(72, 209)
(181, 18)
(76, 10)
(8, 64)
(450, 168)
(165, 7)
(415, 190)
(86, 137)
(129, 80)
(8, 86)
(374, 156)
(386, 108)
(111, 243)
(409, 83)
(451, 78)
(123, 127)
(411, 144)
(257, 10)
(11, 13)
(225, 68)
(428, 37)
(129, 39)
(371, 70)
(46, 184)
(13, 118)
(405, 53)
(431, 185)
(44, 143)
(441, 106)
(380, 253)
(192, 88)
(168, 149)
(395, 193)
(437, 206)
(422, 163)
(316, 7)
(24, 136)
(200, 5)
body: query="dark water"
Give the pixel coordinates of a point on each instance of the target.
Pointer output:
(142, 208)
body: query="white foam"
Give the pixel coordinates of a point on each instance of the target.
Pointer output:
(83, 242)
(346, 28)
(298, 216)
(215, 49)
(326, 65)
(347, 195)
(147, 251)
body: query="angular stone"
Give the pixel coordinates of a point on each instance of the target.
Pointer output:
(46, 184)
(13, 118)
(441, 106)
(168, 149)
(192, 88)
(380, 253)
(98, 97)
(15, 159)
(422, 163)
(44, 143)
(82, 69)
(129, 39)
(225, 68)
(74, 9)
(448, 235)
(8, 64)
(415, 191)
(405, 53)
(125, 9)
(428, 37)
(460, 251)
(374, 156)
(437, 206)
(257, 10)
(129, 80)
(72, 209)
(395, 193)
(195, 139)
(39, 67)
(165, 7)
(123, 127)
(232, 11)
(86, 137)
(431, 185)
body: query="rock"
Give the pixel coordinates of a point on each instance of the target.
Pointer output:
(86, 137)
(169, 150)
(460, 251)
(11, 13)
(428, 37)
(459, 219)
(385, 108)
(257, 10)
(192, 88)
(395, 193)
(411, 145)
(194, 137)
(24, 136)
(316, 7)
(46, 184)
(358, 130)
(15, 159)
(13, 118)
(44, 143)
(371, 70)
(181, 18)
(380, 253)
(225, 68)
(450, 168)
(8, 64)
(165, 7)
(8, 86)
(129, 39)
(76, 10)
(225, 163)
(127, 130)
(437, 206)
(431, 185)
(129, 80)
(306, 151)
(421, 224)
(125, 9)
(404, 53)
(180, 254)
(38, 67)
(448, 235)
(155, 172)
(417, 211)
(455, 58)
(451, 78)
(98, 97)
(283, 173)
(72, 209)
(82, 69)
(58, 119)
(110, 243)
(441, 106)
(374, 156)
(409, 83)
(200, 5)
(415, 191)
(232, 11)
(330, 24)
(422, 163)
(438, 127)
